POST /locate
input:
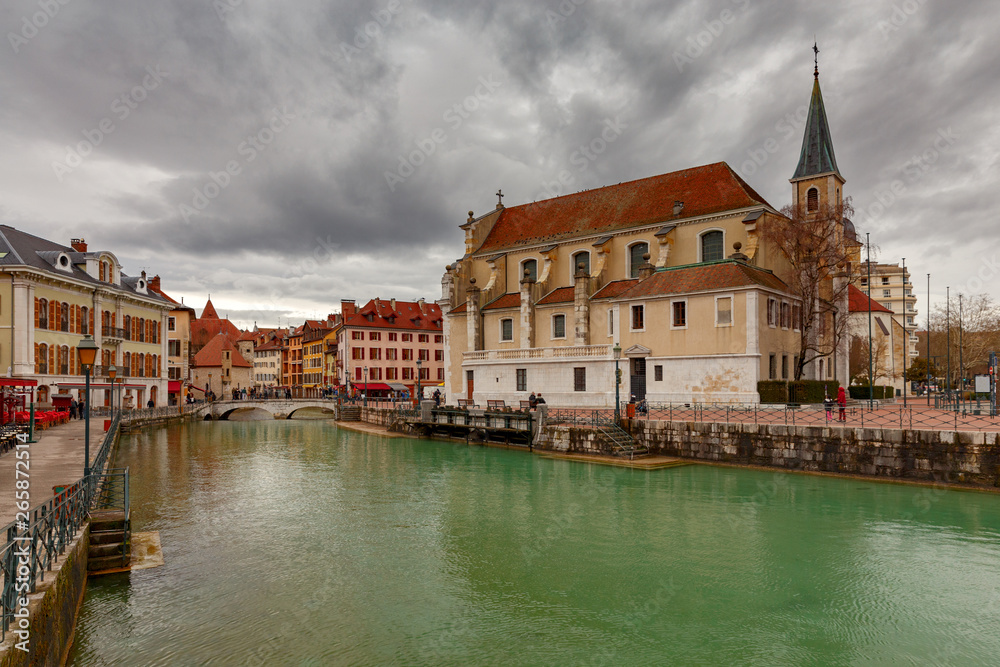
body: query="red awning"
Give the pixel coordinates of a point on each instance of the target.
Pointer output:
(372, 386)
(173, 386)
(17, 382)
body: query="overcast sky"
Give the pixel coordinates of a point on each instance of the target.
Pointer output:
(281, 156)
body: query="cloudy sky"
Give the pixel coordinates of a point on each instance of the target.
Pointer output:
(281, 156)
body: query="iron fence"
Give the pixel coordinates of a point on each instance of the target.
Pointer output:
(38, 536)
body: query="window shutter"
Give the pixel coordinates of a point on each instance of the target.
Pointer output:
(36, 324)
(54, 322)
(52, 315)
(91, 321)
(36, 350)
(52, 359)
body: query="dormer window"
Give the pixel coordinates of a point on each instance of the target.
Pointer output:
(529, 270)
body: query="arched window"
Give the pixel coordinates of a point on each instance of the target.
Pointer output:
(127, 323)
(43, 313)
(84, 327)
(529, 270)
(64, 317)
(141, 364)
(64, 360)
(812, 200)
(581, 258)
(43, 359)
(712, 246)
(636, 252)
(142, 330)
(126, 369)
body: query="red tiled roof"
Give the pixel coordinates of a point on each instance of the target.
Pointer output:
(407, 315)
(460, 308)
(510, 300)
(211, 354)
(558, 295)
(857, 302)
(203, 331)
(209, 311)
(705, 190)
(614, 288)
(724, 274)
(248, 335)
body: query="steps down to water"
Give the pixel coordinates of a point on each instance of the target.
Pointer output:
(621, 441)
(110, 541)
(350, 413)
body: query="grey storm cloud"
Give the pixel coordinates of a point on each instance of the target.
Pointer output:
(285, 155)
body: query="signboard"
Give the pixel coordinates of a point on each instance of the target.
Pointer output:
(982, 384)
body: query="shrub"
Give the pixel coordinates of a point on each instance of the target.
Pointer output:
(812, 391)
(773, 391)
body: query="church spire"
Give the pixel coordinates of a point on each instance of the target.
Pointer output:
(817, 145)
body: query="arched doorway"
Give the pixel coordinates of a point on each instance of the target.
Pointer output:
(152, 396)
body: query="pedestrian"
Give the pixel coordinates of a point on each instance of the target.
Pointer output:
(73, 405)
(437, 398)
(538, 399)
(842, 402)
(828, 404)
(150, 404)
(532, 401)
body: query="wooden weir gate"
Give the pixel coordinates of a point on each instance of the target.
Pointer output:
(471, 425)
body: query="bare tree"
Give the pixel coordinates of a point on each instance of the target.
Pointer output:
(882, 365)
(817, 252)
(977, 317)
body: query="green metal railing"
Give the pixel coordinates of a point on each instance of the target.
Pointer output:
(36, 539)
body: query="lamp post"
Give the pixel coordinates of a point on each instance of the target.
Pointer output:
(364, 396)
(87, 352)
(617, 350)
(112, 372)
(420, 363)
(906, 340)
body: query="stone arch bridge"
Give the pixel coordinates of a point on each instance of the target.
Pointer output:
(279, 408)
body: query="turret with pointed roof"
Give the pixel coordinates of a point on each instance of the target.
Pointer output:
(817, 183)
(209, 311)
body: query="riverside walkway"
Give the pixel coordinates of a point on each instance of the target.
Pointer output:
(56, 458)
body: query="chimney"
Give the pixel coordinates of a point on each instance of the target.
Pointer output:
(420, 305)
(392, 302)
(347, 308)
(154, 283)
(143, 274)
(678, 207)
(79, 245)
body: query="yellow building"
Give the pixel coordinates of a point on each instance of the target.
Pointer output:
(178, 345)
(673, 270)
(54, 295)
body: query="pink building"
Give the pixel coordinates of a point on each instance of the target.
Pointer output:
(380, 344)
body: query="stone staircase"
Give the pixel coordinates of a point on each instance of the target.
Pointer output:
(621, 441)
(110, 541)
(350, 413)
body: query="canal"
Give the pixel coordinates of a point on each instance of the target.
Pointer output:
(298, 543)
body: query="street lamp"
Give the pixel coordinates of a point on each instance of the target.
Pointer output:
(617, 350)
(364, 396)
(420, 362)
(112, 372)
(87, 352)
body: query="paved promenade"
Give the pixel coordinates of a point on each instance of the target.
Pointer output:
(57, 458)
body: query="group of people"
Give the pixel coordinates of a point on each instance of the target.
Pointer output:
(76, 409)
(534, 400)
(841, 401)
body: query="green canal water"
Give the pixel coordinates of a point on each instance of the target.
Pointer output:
(295, 543)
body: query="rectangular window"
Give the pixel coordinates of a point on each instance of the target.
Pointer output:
(638, 318)
(679, 313)
(441, 374)
(772, 312)
(886, 293)
(357, 335)
(439, 338)
(407, 373)
(375, 353)
(423, 338)
(658, 373)
(174, 348)
(786, 315)
(864, 281)
(375, 373)
(522, 379)
(885, 280)
(374, 335)
(438, 355)
(390, 354)
(559, 326)
(796, 316)
(579, 379)
(425, 374)
(724, 311)
(357, 353)
(784, 367)
(390, 374)
(424, 355)
(392, 337)
(772, 368)
(407, 338)
(171, 324)
(174, 373)
(407, 354)
(506, 330)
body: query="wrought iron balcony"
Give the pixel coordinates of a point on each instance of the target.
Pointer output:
(113, 333)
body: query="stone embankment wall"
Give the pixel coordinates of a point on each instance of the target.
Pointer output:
(931, 456)
(52, 610)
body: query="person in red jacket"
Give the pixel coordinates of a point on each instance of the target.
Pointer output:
(842, 402)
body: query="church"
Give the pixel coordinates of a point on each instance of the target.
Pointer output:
(673, 279)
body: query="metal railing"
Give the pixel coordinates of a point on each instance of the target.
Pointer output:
(857, 414)
(37, 537)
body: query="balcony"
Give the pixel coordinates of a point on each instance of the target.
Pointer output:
(573, 352)
(113, 334)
